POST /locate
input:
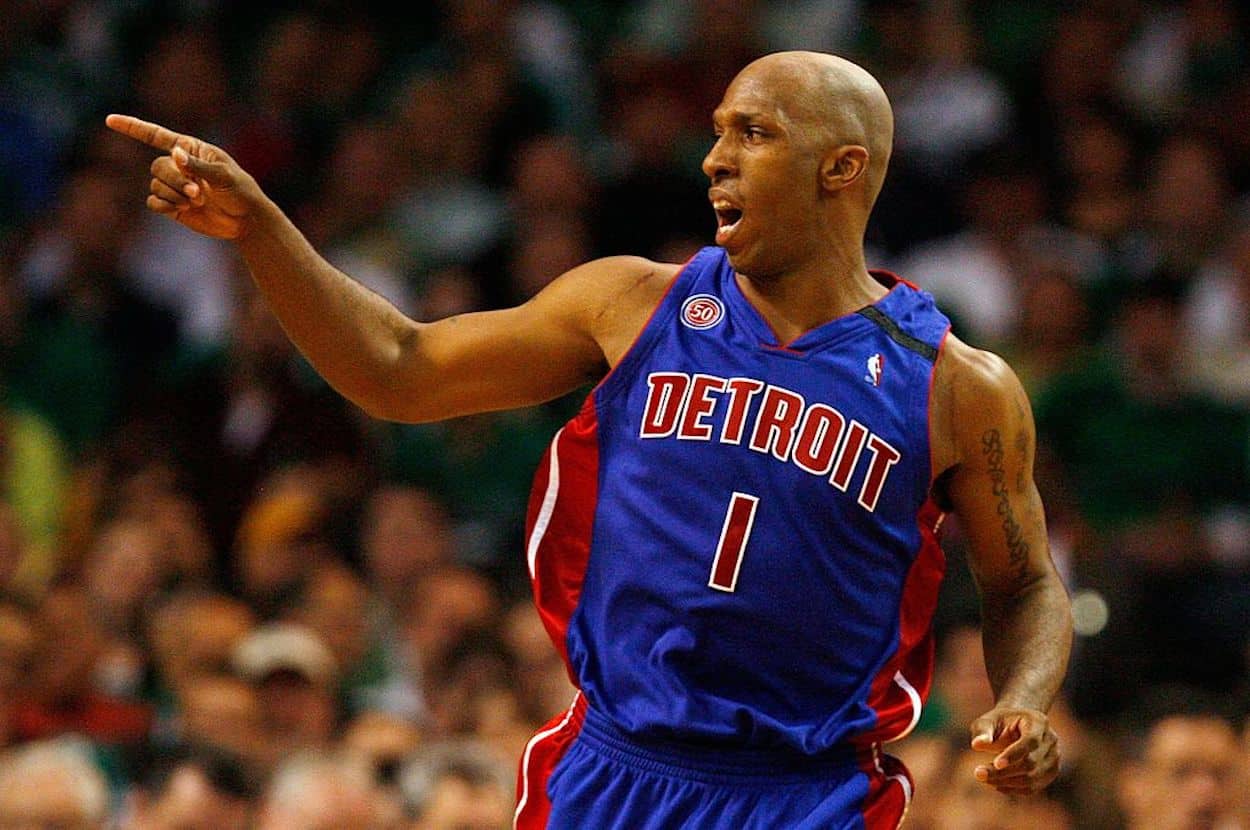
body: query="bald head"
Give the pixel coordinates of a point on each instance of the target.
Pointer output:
(830, 102)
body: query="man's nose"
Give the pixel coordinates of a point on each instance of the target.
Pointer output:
(718, 164)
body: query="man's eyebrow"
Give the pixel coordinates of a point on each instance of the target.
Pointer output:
(737, 117)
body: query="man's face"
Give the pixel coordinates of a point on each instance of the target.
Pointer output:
(38, 799)
(296, 708)
(964, 803)
(457, 803)
(764, 176)
(69, 645)
(1187, 778)
(326, 804)
(189, 802)
(222, 711)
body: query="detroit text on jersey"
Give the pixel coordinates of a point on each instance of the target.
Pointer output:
(816, 437)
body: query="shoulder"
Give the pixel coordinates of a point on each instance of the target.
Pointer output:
(617, 278)
(600, 283)
(612, 298)
(972, 372)
(975, 392)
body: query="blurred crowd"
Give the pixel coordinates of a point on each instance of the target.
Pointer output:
(230, 599)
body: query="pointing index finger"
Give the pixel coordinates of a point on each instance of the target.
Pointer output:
(153, 135)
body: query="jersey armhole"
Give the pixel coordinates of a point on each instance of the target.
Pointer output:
(934, 472)
(614, 381)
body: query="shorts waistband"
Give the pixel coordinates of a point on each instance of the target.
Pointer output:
(711, 762)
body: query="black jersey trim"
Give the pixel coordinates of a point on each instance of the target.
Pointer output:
(891, 328)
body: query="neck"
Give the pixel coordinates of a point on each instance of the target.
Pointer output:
(800, 299)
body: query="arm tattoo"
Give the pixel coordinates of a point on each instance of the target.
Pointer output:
(1018, 548)
(1022, 478)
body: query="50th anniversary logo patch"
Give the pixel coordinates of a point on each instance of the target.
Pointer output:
(702, 311)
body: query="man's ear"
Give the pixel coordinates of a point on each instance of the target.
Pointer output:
(843, 166)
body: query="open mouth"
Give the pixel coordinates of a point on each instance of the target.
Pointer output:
(727, 219)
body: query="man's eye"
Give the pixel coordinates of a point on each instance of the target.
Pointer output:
(753, 133)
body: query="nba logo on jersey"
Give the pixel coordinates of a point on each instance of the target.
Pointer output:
(701, 311)
(876, 365)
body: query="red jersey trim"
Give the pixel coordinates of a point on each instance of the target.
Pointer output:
(902, 685)
(560, 520)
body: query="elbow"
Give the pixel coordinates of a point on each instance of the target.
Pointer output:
(388, 391)
(389, 405)
(1040, 593)
(376, 409)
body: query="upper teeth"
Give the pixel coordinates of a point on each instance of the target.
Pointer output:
(721, 204)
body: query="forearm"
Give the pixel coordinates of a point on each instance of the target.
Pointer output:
(353, 337)
(1027, 639)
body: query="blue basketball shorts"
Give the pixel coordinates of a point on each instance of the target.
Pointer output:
(582, 773)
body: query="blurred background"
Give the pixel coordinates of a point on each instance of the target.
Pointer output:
(230, 599)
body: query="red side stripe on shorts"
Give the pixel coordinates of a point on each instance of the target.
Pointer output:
(539, 760)
(889, 789)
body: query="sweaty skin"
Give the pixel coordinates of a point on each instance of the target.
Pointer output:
(803, 143)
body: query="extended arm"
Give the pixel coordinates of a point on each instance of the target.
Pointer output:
(1026, 620)
(399, 369)
(391, 366)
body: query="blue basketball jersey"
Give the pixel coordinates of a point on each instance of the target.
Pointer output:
(734, 541)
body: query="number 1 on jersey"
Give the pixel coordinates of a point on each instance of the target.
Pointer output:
(733, 542)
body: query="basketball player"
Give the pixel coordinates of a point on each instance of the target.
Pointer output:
(734, 543)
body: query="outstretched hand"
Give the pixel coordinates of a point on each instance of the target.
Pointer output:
(195, 183)
(1026, 750)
